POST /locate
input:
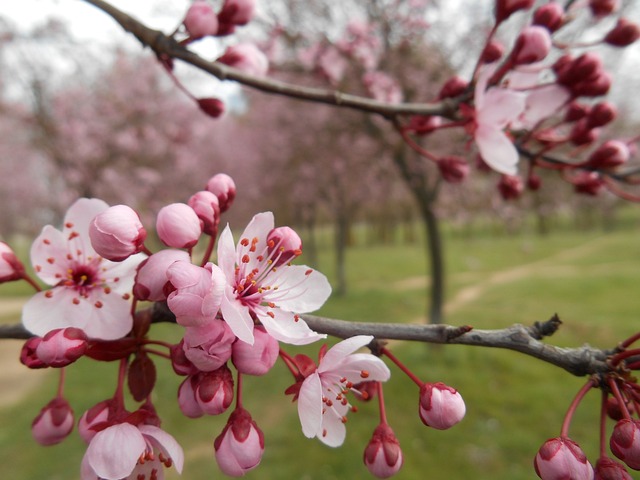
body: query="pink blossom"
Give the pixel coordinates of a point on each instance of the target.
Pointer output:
(247, 58)
(625, 442)
(223, 187)
(207, 207)
(495, 109)
(441, 406)
(322, 405)
(62, 346)
(383, 455)
(178, 225)
(200, 20)
(88, 292)
(214, 390)
(255, 287)
(127, 451)
(10, 267)
(198, 292)
(117, 233)
(256, 359)
(151, 279)
(561, 458)
(240, 446)
(54, 422)
(208, 346)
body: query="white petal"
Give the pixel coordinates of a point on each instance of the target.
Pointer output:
(42, 313)
(336, 354)
(497, 150)
(113, 453)
(48, 255)
(310, 406)
(300, 289)
(284, 327)
(334, 430)
(542, 103)
(237, 317)
(227, 254)
(501, 106)
(170, 447)
(355, 364)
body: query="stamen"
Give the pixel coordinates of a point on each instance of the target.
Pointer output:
(364, 374)
(51, 260)
(244, 242)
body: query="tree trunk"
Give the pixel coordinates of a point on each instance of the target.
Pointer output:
(434, 252)
(341, 239)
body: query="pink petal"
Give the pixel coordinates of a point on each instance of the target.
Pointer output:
(82, 212)
(227, 254)
(48, 255)
(501, 107)
(42, 314)
(310, 406)
(237, 317)
(165, 442)
(284, 327)
(337, 354)
(300, 289)
(113, 453)
(542, 103)
(353, 365)
(497, 150)
(334, 430)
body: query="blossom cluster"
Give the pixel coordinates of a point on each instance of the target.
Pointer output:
(234, 315)
(562, 457)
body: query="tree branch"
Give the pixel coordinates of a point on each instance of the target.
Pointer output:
(167, 47)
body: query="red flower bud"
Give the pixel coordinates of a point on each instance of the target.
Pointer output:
(10, 267)
(453, 169)
(240, 446)
(383, 456)
(453, 87)
(550, 16)
(601, 114)
(62, 346)
(610, 154)
(576, 111)
(223, 187)
(601, 8)
(510, 187)
(588, 183)
(532, 45)
(237, 12)
(178, 225)
(623, 34)
(214, 390)
(534, 182)
(179, 361)
(441, 406)
(492, 52)
(581, 134)
(200, 20)
(561, 458)
(625, 442)
(207, 207)
(214, 107)
(54, 422)
(28, 355)
(504, 8)
(608, 469)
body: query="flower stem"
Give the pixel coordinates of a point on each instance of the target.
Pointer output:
(402, 367)
(564, 431)
(383, 412)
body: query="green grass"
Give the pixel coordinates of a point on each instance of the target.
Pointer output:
(514, 402)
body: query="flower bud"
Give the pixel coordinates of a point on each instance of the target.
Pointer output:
(532, 45)
(237, 12)
(550, 16)
(581, 134)
(28, 356)
(214, 107)
(453, 87)
(615, 411)
(453, 169)
(223, 187)
(383, 455)
(625, 442)
(62, 346)
(214, 390)
(54, 422)
(588, 183)
(576, 111)
(534, 182)
(283, 245)
(179, 361)
(510, 187)
(240, 446)
(504, 8)
(200, 20)
(198, 292)
(601, 114)
(10, 267)
(208, 346)
(151, 278)
(602, 8)
(207, 207)
(178, 226)
(623, 34)
(441, 406)
(187, 402)
(595, 86)
(492, 52)
(117, 233)
(610, 154)
(608, 469)
(570, 71)
(560, 458)
(424, 124)
(95, 416)
(247, 58)
(256, 359)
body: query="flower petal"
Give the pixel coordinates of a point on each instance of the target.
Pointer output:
(166, 443)
(501, 106)
(288, 328)
(227, 254)
(113, 453)
(300, 289)
(337, 354)
(48, 255)
(497, 150)
(237, 316)
(310, 405)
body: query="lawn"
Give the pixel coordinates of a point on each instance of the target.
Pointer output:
(514, 402)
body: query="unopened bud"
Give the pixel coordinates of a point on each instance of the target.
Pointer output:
(492, 52)
(625, 442)
(560, 458)
(602, 8)
(453, 169)
(609, 469)
(601, 114)
(62, 346)
(453, 87)
(610, 154)
(200, 20)
(54, 422)
(550, 16)
(207, 207)
(623, 34)
(179, 361)
(510, 187)
(96, 416)
(28, 356)
(505, 8)
(596, 86)
(532, 45)
(576, 111)
(383, 455)
(283, 245)
(214, 390)
(151, 279)
(247, 58)
(178, 225)
(256, 359)
(214, 107)
(588, 183)
(240, 446)
(117, 233)
(534, 182)
(582, 134)
(10, 267)
(237, 12)
(223, 187)
(441, 406)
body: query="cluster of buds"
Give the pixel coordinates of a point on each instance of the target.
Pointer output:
(234, 315)
(562, 457)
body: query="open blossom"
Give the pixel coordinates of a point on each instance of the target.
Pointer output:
(495, 109)
(322, 402)
(257, 288)
(88, 292)
(126, 451)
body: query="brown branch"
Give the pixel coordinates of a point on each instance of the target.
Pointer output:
(167, 47)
